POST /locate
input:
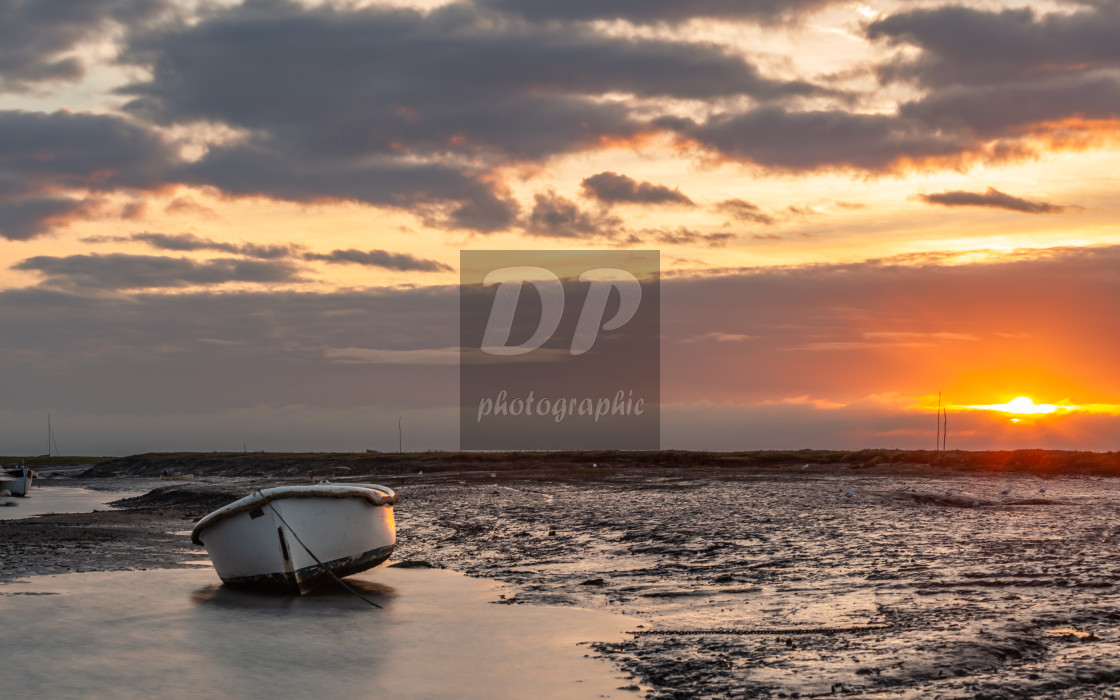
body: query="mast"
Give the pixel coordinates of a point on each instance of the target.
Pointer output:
(937, 442)
(50, 439)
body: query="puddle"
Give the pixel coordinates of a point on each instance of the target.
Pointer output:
(1073, 635)
(179, 633)
(61, 499)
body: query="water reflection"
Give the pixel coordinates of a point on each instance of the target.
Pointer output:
(325, 597)
(179, 634)
(60, 499)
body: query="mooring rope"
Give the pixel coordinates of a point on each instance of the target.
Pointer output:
(326, 568)
(762, 630)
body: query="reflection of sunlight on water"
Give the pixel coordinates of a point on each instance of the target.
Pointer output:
(62, 499)
(178, 633)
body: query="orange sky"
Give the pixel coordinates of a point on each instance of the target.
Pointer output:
(857, 205)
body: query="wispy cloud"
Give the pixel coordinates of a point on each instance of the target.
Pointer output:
(995, 199)
(405, 262)
(117, 271)
(742, 210)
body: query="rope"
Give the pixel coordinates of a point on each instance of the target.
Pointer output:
(326, 568)
(761, 630)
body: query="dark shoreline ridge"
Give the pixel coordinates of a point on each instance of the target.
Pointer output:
(1033, 461)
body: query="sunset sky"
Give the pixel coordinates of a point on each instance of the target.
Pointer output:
(238, 224)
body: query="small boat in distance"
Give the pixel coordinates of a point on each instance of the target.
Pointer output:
(18, 481)
(290, 539)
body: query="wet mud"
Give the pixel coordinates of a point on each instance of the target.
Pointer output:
(749, 584)
(769, 585)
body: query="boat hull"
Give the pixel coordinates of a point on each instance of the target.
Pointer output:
(293, 539)
(20, 482)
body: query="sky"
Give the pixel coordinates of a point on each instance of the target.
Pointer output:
(237, 225)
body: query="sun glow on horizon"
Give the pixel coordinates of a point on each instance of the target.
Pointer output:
(1022, 405)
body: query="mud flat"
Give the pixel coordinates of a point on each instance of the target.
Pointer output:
(749, 583)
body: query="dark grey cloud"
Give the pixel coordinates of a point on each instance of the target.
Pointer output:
(36, 36)
(613, 188)
(555, 216)
(1012, 109)
(41, 152)
(404, 262)
(45, 156)
(189, 242)
(186, 242)
(118, 271)
(994, 83)
(28, 217)
(962, 45)
(743, 210)
(777, 138)
(209, 370)
(992, 198)
(658, 11)
(453, 80)
(443, 194)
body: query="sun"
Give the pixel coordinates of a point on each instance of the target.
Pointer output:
(1024, 406)
(1020, 406)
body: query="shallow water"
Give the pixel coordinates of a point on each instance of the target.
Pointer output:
(59, 499)
(179, 634)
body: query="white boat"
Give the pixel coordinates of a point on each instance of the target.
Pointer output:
(292, 538)
(19, 480)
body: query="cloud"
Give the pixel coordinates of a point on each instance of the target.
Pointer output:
(992, 198)
(962, 45)
(442, 194)
(996, 87)
(377, 356)
(30, 217)
(37, 39)
(686, 236)
(404, 262)
(1023, 325)
(205, 352)
(718, 337)
(774, 137)
(452, 80)
(189, 207)
(1014, 110)
(1012, 81)
(554, 216)
(117, 272)
(659, 11)
(1018, 324)
(190, 242)
(426, 77)
(52, 166)
(612, 188)
(413, 109)
(742, 210)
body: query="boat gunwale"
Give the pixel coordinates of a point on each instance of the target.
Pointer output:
(376, 495)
